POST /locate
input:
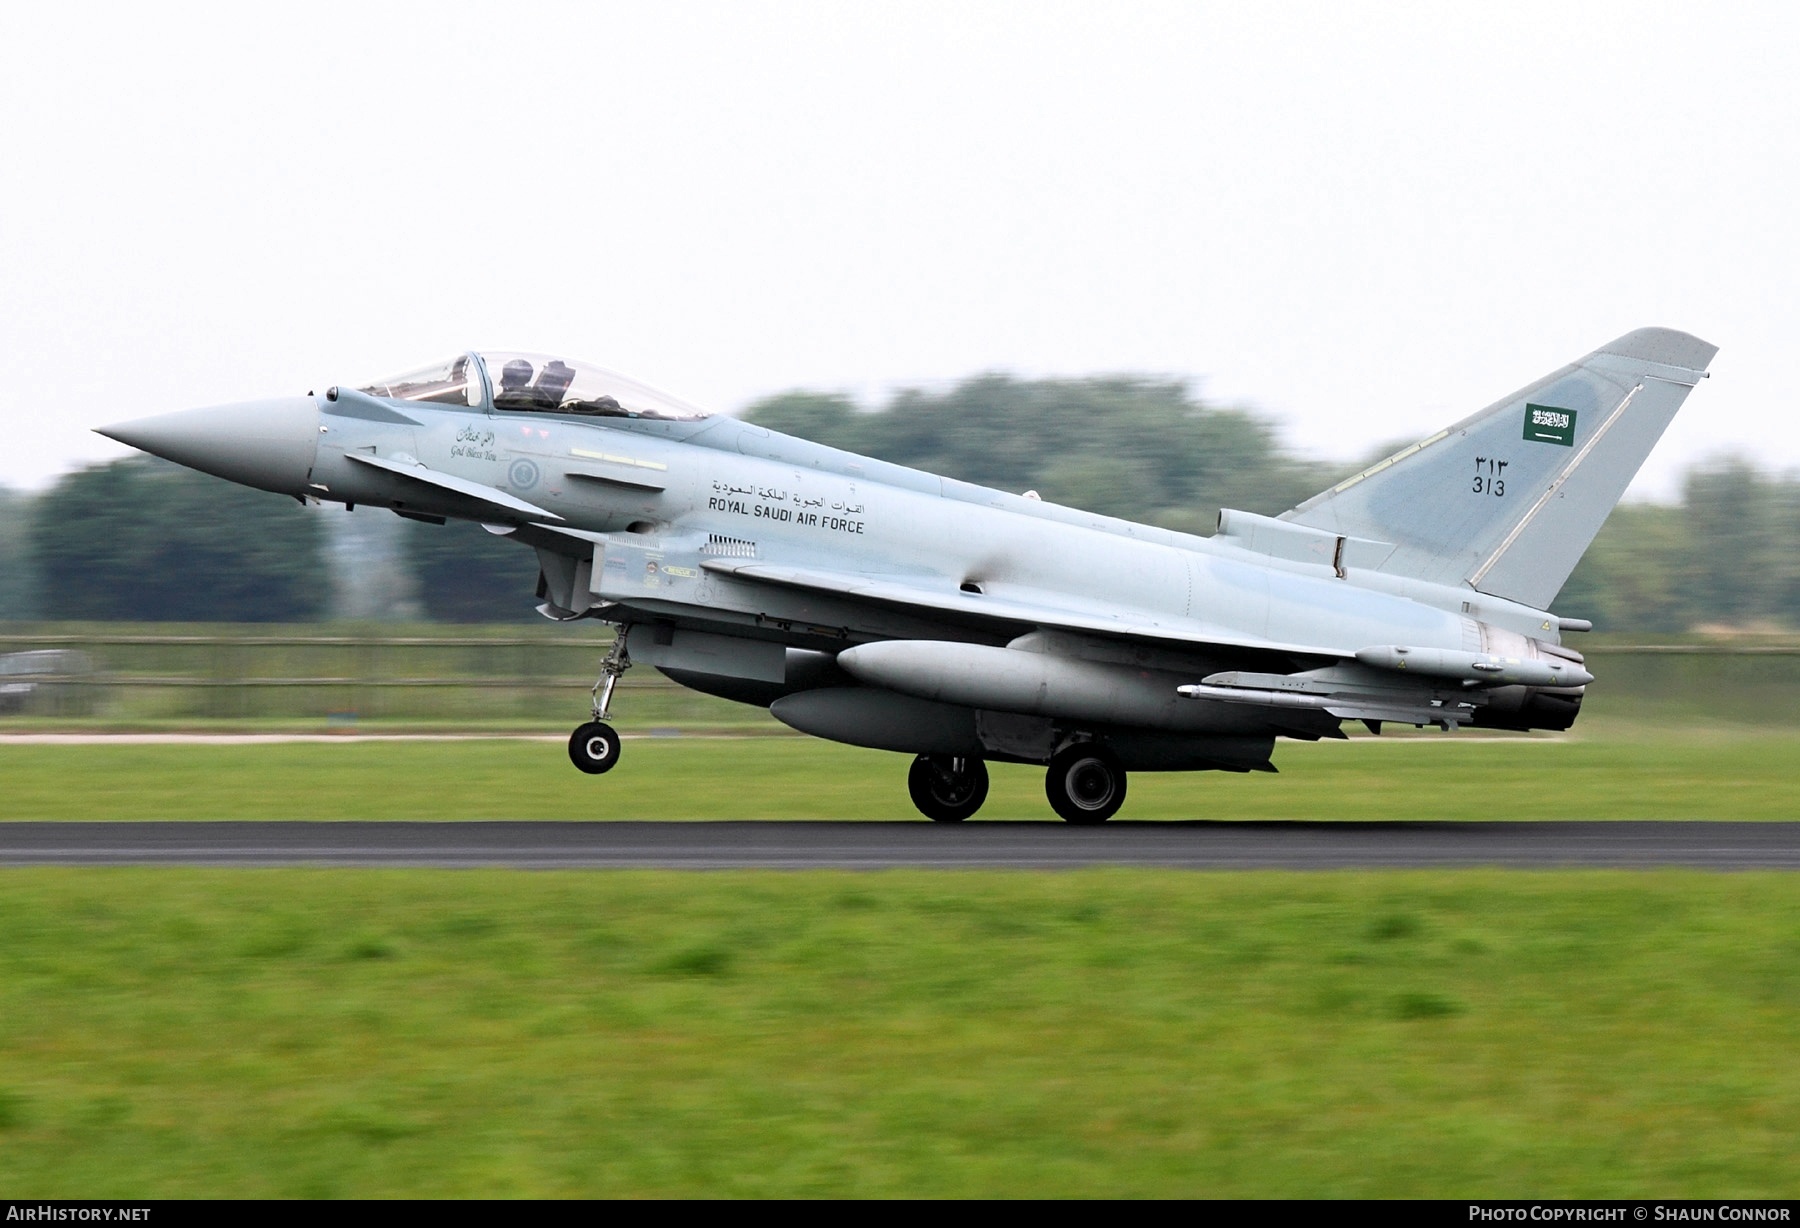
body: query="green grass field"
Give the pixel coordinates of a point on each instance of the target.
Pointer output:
(170, 1033)
(174, 1032)
(1629, 772)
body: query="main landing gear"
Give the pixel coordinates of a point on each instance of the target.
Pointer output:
(594, 746)
(946, 788)
(1085, 785)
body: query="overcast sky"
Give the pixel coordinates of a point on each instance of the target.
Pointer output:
(1362, 220)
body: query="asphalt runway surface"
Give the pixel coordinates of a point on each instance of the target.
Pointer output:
(876, 846)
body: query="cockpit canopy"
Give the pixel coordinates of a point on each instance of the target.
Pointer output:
(503, 381)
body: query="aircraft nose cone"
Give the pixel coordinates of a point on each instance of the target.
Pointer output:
(266, 444)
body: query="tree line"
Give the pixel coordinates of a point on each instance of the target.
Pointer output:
(142, 540)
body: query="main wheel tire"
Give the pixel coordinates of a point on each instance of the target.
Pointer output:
(594, 747)
(1085, 783)
(943, 793)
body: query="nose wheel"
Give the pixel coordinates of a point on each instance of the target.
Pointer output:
(594, 747)
(946, 788)
(1086, 783)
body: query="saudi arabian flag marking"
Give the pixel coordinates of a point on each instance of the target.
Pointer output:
(1547, 424)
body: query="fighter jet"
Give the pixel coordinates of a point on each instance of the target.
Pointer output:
(886, 607)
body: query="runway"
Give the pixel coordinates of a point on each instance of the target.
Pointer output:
(877, 846)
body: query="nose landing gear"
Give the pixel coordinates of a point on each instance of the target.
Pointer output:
(594, 746)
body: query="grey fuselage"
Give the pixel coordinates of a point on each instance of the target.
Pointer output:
(805, 504)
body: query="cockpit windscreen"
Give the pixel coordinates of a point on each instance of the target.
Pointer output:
(446, 383)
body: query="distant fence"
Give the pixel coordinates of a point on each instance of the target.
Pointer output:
(501, 675)
(1752, 682)
(153, 677)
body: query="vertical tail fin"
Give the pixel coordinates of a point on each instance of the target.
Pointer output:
(1507, 501)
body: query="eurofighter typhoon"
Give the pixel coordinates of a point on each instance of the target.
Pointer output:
(886, 607)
